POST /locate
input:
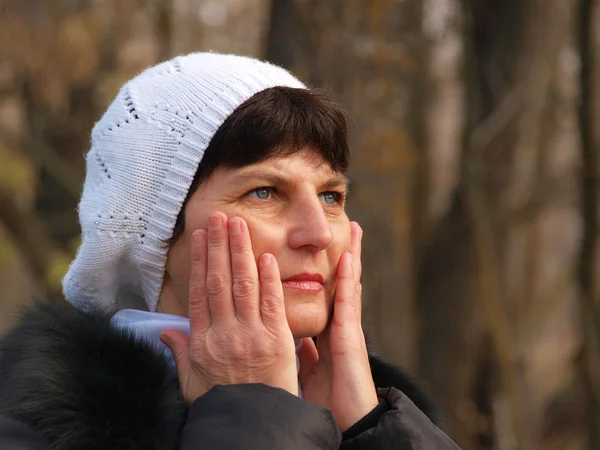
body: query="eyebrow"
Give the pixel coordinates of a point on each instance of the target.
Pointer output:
(339, 181)
(336, 182)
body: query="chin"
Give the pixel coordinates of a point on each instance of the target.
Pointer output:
(306, 319)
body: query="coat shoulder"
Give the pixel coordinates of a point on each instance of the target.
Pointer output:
(81, 383)
(386, 374)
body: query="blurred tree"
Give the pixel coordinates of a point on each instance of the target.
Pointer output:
(589, 14)
(480, 273)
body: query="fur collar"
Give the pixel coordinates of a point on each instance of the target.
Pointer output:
(84, 384)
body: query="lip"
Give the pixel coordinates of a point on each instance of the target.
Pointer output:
(306, 282)
(316, 277)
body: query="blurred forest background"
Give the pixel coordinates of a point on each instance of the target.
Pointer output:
(476, 135)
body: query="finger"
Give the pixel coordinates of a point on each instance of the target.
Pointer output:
(218, 272)
(356, 250)
(272, 305)
(324, 348)
(345, 310)
(308, 358)
(179, 344)
(244, 272)
(358, 298)
(198, 309)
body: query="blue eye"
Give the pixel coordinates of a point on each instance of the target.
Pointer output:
(330, 198)
(263, 193)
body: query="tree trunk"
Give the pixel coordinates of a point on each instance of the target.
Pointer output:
(470, 342)
(588, 268)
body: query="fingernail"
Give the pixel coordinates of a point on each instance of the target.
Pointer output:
(267, 258)
(215, 221)
(164, 338)
(235, 226)
(359, 230)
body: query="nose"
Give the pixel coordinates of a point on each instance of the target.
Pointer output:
(310, 227)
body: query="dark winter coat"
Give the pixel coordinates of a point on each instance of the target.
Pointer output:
(69, 380)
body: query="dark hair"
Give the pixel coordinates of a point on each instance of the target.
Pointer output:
(278, 121)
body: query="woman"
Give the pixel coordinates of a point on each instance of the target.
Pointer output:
(215, 191)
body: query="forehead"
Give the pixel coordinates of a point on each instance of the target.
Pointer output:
(301, 167)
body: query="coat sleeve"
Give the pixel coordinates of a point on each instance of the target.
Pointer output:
(17, 436)
(403, 426)
(257, 416)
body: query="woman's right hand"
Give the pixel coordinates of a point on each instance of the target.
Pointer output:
(238, 327)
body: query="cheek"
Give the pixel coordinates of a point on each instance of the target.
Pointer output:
(265, 237)
(341, 241)
(179, 259)
(341, 244)
(178, 266)
(195, 218)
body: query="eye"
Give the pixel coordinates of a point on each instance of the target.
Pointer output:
(331, 197)
(262, 193)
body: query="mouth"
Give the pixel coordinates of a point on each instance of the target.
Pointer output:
(305, 282)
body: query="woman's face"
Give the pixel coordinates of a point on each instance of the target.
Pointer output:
(294, 207)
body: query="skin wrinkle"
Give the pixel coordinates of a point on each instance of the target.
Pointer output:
(295, 224)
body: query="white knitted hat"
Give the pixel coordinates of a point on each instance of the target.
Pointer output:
(145, 151)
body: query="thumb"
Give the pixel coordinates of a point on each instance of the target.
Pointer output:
(179, 344)
(308, 358)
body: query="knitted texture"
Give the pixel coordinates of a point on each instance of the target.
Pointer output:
(145, 151)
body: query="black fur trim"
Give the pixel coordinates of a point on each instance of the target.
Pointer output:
(386, 374)
(83, 384)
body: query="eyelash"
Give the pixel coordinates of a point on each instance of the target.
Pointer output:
(340, 197)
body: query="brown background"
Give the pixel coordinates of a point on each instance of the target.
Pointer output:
(475, 131)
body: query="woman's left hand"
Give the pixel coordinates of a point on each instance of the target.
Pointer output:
(336, 373)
